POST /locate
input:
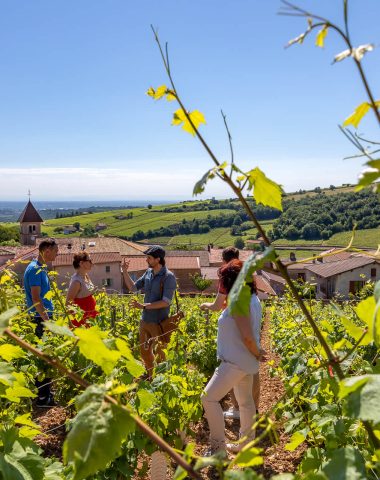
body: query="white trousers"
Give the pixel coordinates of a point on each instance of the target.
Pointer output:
(226, 377)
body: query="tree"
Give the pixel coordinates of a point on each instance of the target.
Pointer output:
(76, 225)
(150, 206)
(239, 243)
(311, 231)
(200, 282)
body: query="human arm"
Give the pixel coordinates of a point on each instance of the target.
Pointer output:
(127, 278)
(167, 296)
(37, 302)
(72, 292)
(244, 326)
(217, 305)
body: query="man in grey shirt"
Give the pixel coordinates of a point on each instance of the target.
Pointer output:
(158, 284)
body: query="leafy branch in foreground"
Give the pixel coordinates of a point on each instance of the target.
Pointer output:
(264, 191)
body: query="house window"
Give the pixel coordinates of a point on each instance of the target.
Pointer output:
(108, 268)
(373, 272)
(34, 228)
(356, 285)
(107, 282)
(30, 228)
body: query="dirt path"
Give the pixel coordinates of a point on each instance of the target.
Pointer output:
(276, 458)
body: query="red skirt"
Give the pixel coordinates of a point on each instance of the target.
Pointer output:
(88, 305)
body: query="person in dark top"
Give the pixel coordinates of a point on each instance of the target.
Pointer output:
(40, 306)
(158, 284)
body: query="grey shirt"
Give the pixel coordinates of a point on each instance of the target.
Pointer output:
(151, 284)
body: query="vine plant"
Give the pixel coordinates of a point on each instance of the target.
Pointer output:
(265, 190)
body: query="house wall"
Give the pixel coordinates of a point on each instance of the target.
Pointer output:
(340, 284)
(98, 274)
(183, 278)
(343, 280)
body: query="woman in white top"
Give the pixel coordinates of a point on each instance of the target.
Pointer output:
(81, 289)
(238, 349)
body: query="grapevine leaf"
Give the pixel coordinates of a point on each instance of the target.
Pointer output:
(363, 402)
(356, 117)
(356, 332)
(240, 295)
(368, 312)
(265, 191)
(54, 471)
(26, 420)
(369, 176)
(321, 35)
(6, 376)
(58, 329)
(295, 441)
(157, 93)
(199, 187)
(92, 347)
(14, 393)
(346, 463)
(97, 433)
(351, 384)
(5, 278)
(146, 400)
(9, 352)
(21, 459)
(249, 458)
(48, 295)
(196, 117)
(6, 316)
(134, 367)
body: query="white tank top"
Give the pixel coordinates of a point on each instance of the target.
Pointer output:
(230, 346)
(86, 286)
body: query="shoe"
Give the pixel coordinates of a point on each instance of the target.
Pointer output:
(216, 448)
(46, 402)
(233, 413)
(234, 447)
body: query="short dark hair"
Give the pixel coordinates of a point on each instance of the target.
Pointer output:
(45, 244)
(229, 254)
(80, 257)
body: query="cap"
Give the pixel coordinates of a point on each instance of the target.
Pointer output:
(155, 251)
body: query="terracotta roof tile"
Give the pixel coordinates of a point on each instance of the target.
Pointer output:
(64, 259)
(137, 264)
(98, 245)
(202, 254)
(334, 268)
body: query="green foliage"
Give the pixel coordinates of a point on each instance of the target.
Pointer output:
(96, 434)
(200, 282)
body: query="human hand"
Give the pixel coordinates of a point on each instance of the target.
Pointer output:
(125, 264)
(137, 304)
(205, 306)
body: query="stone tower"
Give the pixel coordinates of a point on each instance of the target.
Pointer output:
(30, 225)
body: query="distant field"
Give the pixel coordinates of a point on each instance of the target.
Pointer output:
(220, 237)
(300, 254)
(363, 238)
(143, 219)
(326, 191)
(284, 241)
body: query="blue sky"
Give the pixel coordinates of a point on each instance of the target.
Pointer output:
(75, 121)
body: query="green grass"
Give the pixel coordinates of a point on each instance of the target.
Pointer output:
(300, 254)
(284, 241)
(363, 238)
(143, 219)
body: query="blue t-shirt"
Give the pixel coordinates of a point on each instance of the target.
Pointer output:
(36, 276)
(160, 286)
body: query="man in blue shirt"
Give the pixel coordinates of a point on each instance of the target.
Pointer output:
(158, 284)
(37, 286)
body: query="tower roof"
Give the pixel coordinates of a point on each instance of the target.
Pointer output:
(30, 214)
